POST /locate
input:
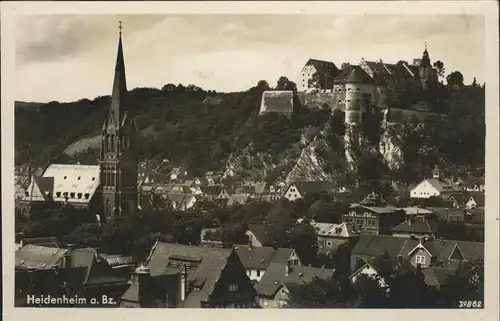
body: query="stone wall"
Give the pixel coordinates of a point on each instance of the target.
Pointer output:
(334, 100)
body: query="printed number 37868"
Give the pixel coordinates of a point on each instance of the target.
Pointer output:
(470, 304)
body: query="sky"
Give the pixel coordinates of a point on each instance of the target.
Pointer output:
(70, 57)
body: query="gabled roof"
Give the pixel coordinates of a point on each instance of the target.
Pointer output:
(418, 225)
(305, 188)
(260, 257)
(330, 229)
(375, 246)
(325, 68)
(206, 272)
(478, 198)
(275, 276)
(344, 73)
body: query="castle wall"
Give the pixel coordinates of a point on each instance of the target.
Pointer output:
(334, 100)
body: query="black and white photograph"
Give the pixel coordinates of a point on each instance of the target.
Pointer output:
(305, 158)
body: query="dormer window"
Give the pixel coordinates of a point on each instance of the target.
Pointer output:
(79, 195)
(72, 195)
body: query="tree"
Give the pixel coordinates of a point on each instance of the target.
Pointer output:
(402, 62)
(440, 70)
(285, 84)
(345, 65)
(314, 81)
(304, 240)
(466, 284)
(455, 78)
(85, 235)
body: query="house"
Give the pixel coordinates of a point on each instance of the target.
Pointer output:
(330, 235)
(420, 252)
(321, 71)
(458, 199)
(224, 193)
(183, 276)
(76, 185)
(370, 270)
(416, 226)
(79, 272)
(451, 215)
(236, 199)
(149, 202)
(475, 200)
(298, 190)
(373, 216)
(276, 286)
(211, 192)
(256, 260)
(177, 173)
(181, 201)
(474, 184)
(277, 101)
(212, 178)
(435, 186)
(258, 235)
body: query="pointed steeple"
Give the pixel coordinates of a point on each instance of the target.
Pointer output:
(118, 100)
(426, 61)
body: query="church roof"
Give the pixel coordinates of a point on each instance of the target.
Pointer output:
(78, 182)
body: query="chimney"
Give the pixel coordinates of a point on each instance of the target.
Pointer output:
(288, 268)
(183, 284)
(141, 276)
(67, 255)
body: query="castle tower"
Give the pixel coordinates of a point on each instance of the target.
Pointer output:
(358, 87)
(118, 159)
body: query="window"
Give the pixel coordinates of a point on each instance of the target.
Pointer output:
(420, 259)
(79, 195)
(329, 243)
(72, 195)
(87, 195)
(233, 287)
(258, 273)
(93, 178)
(79, 177)
(58, 194)
(65, 177)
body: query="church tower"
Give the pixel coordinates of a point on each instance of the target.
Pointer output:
(118, 159)
(426, 72)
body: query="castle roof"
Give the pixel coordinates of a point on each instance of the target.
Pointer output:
(358, 76)
(325, 68)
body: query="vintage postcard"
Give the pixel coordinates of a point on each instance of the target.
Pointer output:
(330, 157)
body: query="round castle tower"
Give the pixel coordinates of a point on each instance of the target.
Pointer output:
(357, 86)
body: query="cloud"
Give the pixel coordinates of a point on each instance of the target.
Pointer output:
(226, 52)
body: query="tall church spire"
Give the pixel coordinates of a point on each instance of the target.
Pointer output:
(118, 99)
(426, 61)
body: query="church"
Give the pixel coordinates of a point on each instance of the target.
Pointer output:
(110, 188)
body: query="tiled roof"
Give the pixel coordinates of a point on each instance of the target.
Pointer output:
(260, 257)
(305, 188)
(478, 198)
(358, 76)
(374, 246)
(417, 225)
(415, 210)
(330, 229)
(439, 185)
(279, 101)
(50, 241)
(344, 73)
(79, 181)
(237, 199)
(275, 276)
(38, 257)
(211, 261)
(326, 68)
(376, 209)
